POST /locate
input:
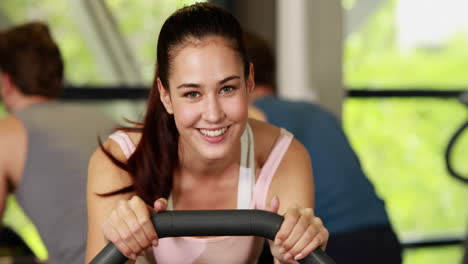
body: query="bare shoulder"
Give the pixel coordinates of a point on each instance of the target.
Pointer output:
(103, 175)
(293, 180)
(260, 126)
(10, 128)
(13, 140)
(265, 137)
(134, 137)
(296, 155)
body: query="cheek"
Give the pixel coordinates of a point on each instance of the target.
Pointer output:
(236, 109)
(185, 116)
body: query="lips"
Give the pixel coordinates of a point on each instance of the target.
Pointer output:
(214, 136)
(213, 132)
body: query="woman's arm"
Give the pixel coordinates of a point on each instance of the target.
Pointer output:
(13, 150)
(103, 177)
(293, 182)
(123, 219)
(301, 231)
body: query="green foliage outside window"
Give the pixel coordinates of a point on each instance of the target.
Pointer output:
(80, 66)
(139, 21)
(401, 142)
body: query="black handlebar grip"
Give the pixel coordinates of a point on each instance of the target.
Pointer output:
(213, 223)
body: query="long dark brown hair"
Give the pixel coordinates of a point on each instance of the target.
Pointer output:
(155, 159)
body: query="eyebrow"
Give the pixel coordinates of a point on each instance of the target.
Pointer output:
(195, 85)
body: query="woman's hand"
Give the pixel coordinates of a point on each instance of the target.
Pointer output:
(129, 226)
(300, 233)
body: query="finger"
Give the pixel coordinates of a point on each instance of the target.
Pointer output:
(303, 226)
(143, 217)
(290, 219)
(322, 232)
(160, 205)
(309, 248)
(274, 204)
(128, 211)
(326, 235)
(124, 230)
(113, 236)
(306, 241)
(310, 242)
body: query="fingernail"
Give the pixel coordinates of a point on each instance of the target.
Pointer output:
(287, 256)
(155, 243)
(298, 256)
(133, 256)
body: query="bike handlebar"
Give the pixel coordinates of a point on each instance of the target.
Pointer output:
(213, 223)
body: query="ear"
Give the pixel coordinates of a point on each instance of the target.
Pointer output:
(251, 79)
(6, 85)
(165, 97)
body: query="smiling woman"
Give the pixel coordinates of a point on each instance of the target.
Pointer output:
(197, 149)
(208, 100)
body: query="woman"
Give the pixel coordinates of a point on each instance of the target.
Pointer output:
(196, 149)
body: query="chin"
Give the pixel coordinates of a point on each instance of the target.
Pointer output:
(215, 155)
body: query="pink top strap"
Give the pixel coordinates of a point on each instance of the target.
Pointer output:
(268, 171)
(229, 249)
(266, 174)
(124, 141)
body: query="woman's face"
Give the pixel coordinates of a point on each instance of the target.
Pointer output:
(208, 97)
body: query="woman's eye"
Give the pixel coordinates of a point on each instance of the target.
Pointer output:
(192, 94)
(227, 89)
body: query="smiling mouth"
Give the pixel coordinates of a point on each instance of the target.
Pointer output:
(213, 133)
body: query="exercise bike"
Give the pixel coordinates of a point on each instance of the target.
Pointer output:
(448, 152)
(213, 223)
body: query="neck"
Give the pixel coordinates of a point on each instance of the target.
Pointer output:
(22, 101)
(195, 166)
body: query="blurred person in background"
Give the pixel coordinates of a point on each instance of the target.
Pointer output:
(45, 145)
(360, 231)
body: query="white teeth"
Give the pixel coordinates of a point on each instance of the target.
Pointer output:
(213, 133)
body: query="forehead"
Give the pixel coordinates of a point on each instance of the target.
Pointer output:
(210, 54)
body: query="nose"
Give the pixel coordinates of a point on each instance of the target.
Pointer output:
(213, 111)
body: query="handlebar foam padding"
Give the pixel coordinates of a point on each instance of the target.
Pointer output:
(213, 223)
